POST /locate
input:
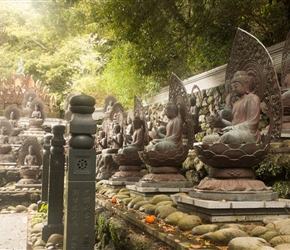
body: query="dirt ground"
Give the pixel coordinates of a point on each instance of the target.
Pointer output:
(13, 230)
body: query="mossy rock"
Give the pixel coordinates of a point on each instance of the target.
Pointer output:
(124, 190)
(284, 246)
(236, 226)
(118, 233)
(158, 198)
(134, 201)
(258, 231)
(276, 225)
(269, 235)
(127, 200)
(159, 209)
(280, 240)
(224, 236)
(174, 218)
(203, 229)
(136, 241)
(188, 222)
(150, 209)
(247, 243)
(162, 203)
(121, 196)
(20, 209)
(102, 218)
(143, 207)
(139, 204)
(167, 210)
(55, 239)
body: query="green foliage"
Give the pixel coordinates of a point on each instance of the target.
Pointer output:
(282, 188)
(269, 167)
(127, 47)
(43, 208)
(275, 172)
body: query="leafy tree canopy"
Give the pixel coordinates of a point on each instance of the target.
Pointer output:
(129, 47)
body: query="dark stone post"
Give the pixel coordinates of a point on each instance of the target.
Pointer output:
(79, 231)
(56, 184)
(45, 171)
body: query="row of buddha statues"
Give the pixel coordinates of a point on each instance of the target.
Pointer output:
(237, 141)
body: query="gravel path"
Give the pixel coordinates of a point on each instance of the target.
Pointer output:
(13, 230)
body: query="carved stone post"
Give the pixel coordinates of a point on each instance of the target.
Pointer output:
(56, 184)
(79, 232)
(45, 171)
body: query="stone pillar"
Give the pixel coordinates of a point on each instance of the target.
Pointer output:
(45, 171)
(56, 184)
(79, 231)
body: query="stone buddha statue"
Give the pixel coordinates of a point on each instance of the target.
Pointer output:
(31, 158)
(137, 138)
(244, 127)
(36, 114)
(172, 140)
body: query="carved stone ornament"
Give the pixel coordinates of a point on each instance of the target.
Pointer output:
(285, 67)
(178, 95)
(232, 162)
(248, 54)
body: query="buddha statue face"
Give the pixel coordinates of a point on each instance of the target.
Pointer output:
(170, 110)
(137, 123)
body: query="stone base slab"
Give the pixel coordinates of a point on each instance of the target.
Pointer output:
(232, 211)
(148, 192)
(267, 195)
(164, 184)
(22, 185)
(118, 183)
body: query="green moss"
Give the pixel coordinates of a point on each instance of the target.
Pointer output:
(102, 224)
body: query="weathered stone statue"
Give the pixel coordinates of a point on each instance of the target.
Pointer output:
(30, 159)
(166, 153)
(128, 160)
(195, 107)
(116, 141)
(172, 140)
(285, 87)
(137, 138)
(6, 152)
(13, 114)
(36, 114)
(102, 141)
(233, 153)
(113, 126)
(244, 128)
(129, 131)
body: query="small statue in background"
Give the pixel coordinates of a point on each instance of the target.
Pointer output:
(28, 103)
(3, 136)
(116, 141)
(137, 138)
(36, 113)
(102, 142)
(172, 140)
(31, 158)
(129, 131)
